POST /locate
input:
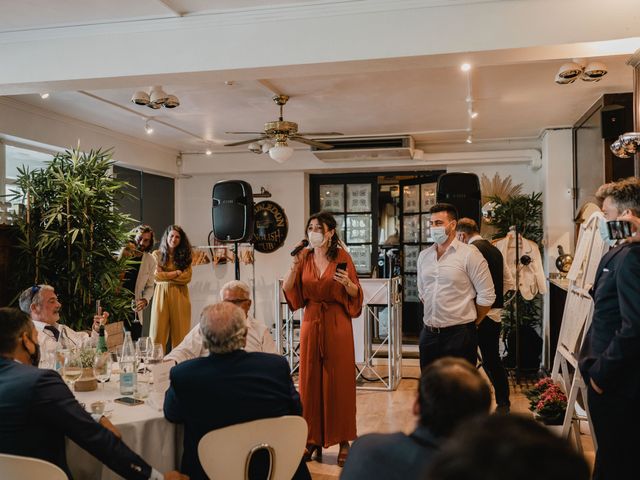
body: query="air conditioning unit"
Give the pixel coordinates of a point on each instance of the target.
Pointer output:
(399, 147)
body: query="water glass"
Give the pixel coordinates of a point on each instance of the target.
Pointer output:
(144, 347)
(102, 364)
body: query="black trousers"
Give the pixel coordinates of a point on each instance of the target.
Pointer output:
(134, 327)
(616, 424)
(458, 341)
(489, 343)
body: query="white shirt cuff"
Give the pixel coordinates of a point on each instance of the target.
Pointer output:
(156, 475)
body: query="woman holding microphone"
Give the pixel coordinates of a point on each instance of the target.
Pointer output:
(323, 280)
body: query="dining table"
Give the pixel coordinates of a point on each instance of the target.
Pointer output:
(143, 427)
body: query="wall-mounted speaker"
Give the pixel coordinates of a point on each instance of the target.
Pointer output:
(613, 121)
(463, 191)
(232, 211)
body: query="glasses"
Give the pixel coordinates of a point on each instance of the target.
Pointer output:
(238, 301)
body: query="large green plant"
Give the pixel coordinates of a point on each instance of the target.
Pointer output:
(70, 231)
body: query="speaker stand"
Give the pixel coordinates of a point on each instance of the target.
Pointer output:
(237, 259)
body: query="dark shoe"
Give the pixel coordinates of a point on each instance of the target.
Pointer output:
(343, 453)
(502, 410)
(309, 453)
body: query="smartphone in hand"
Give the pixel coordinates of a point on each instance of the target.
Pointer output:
(342, 266)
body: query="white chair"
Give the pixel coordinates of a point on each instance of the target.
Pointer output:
(224, 453)
(14, 467)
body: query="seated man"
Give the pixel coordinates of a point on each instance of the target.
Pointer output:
(506, 447)
(41, 303)
(450, 391)
(229, 386)
(37, 409)
(258, 337)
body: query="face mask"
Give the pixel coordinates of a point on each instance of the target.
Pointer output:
(35, 356)
(604, 233)
(316, 239)
(439, 235)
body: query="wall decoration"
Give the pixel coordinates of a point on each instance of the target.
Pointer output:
(271, 226)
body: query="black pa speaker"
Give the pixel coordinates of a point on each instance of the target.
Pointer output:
(614, 122)
(232, 211)
(463, 191)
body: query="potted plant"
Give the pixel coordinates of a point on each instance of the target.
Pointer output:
(547, 402)
(87, 381)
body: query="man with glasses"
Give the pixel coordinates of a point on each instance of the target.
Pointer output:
(455, 287)
(258, 337)
(41, 303)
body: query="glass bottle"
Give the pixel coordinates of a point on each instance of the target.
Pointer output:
(102, 341)
(127, 361)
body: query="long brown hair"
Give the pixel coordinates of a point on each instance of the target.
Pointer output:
(182, 253)
(326, 219)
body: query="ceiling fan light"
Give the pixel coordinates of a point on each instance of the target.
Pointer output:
(140, 98)
(255, 147)
(158, 96)
(266, 146)
(281, 152)
(171, 102)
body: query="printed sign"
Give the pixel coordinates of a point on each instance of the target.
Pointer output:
(271, 227)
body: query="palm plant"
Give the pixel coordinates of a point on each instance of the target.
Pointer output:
(70, 231)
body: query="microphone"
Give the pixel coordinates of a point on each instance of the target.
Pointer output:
(302, 244)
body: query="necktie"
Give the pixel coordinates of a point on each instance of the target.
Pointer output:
(54, 330)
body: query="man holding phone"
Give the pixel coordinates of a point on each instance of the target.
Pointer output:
(611, 350)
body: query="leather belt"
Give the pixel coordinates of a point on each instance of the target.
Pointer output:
(452, 328)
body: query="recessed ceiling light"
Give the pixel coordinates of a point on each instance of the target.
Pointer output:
(44, 96)
(465, 67)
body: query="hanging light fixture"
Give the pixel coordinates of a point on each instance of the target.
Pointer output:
(281, 152)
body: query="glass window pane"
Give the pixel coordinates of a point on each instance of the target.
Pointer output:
(411, 228)
(332, 198)
(359, 197)
(410, 198)
(428, 196)
(361, 256)
(411, 288)
(358, 228)
(425, 236)
(411, 253)
(340, 226)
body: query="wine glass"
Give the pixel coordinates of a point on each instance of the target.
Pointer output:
(134, 307)
(144, 346)
(157, 354)
(102, 367)
(72, 367)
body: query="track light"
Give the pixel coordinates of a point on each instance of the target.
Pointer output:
(44, 95)
(148, 128)
(157, 98)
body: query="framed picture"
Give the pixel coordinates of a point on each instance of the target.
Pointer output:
(358, 197)
(332, 198)
(410, 198)
(411, 228)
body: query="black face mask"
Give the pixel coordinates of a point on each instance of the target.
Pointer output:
(35, 356)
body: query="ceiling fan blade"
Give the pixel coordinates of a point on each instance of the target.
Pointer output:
(313, 143)
(245, 133)
(244, 142)
(319, 134)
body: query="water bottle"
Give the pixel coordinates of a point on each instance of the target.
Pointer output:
(102, 341)
(128, 374)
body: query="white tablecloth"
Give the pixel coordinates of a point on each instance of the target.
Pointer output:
(144, 430)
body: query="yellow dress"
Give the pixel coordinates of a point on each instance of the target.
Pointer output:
(171, 309)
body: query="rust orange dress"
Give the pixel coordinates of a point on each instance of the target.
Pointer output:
(327, 361)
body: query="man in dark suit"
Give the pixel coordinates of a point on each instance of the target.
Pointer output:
(610, 355)
(229, 386)
(37, 409)
(451, 390)
(489, 327)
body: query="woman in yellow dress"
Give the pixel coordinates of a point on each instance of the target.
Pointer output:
(171, 310)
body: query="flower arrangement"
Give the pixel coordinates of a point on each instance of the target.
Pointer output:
(86, 357)
(547, 401)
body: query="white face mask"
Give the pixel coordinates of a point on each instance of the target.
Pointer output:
(316, 239)
(439, 234)
(604, 232)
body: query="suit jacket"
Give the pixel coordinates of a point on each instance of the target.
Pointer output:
(393, 456)
(611, 350)
(145, 281)
(37, 411)
(213, 392)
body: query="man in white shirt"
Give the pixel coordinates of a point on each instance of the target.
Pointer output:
(489, 328)
(258, 337)
(41, 303)
(455, 287)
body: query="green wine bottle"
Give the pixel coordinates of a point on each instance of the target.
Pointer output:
(102, 341)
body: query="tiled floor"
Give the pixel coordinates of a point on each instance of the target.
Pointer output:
(384, 411)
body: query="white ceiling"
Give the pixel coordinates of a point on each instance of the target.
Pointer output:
(425, 98)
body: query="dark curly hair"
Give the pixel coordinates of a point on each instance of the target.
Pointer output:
(624, 193)
(182, 253)
(326, 219)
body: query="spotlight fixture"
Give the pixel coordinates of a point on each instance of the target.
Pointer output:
(281, 152)
(208, 151)
(570, 71)
(465, 67)
(473, 114)
(44, 95)
(469, 139)
(155, 99)
(148, 128)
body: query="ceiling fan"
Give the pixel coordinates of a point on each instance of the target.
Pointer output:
(279, 132)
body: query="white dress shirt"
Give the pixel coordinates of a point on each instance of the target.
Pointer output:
(508, 283)
(450, 287)
(258, 340)
(47, 339)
